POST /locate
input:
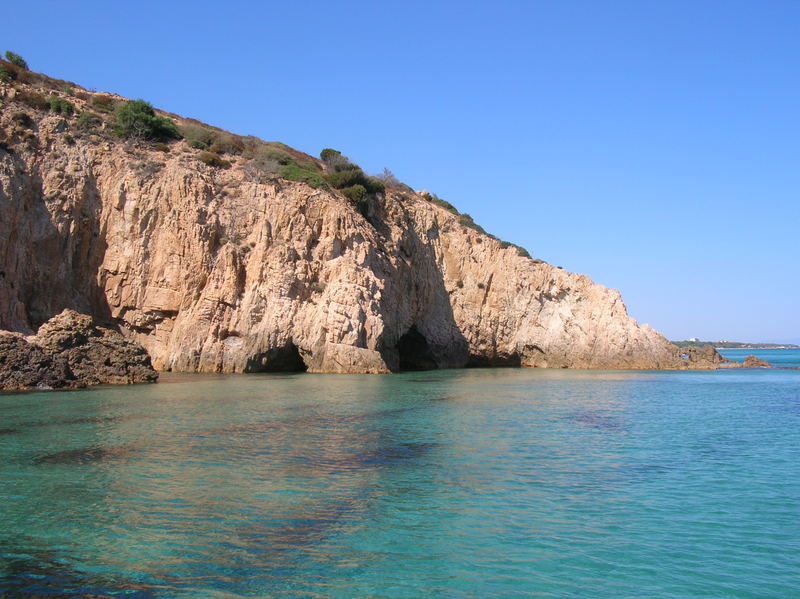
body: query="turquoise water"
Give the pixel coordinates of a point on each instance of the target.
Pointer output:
(475, 483)
(781, 358)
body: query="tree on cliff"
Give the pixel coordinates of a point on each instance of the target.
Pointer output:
(136, 119)
(16, 59)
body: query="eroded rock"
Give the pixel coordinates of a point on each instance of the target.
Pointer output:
(752, 361)
(69, 351)
(24, 365)
(95, 355)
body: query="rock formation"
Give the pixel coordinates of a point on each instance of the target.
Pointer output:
(752, 361)
(211, 269)
(69, 351)
(24, 365)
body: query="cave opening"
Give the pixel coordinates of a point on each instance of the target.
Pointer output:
(277, 359)
(414, 352)
(494, 361)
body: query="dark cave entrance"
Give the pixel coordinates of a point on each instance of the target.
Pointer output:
(277, 359)
(494, 361)
(414, 352)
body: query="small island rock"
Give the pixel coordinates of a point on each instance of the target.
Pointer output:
(752, 361)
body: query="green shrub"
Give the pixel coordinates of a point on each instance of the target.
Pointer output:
(330, 155)
(355, 193)
(433, 198)
(467, 221)
(22, 119)
(103, 102)
(292, 172)
(16, 59)
(334, 160)
(345, 178)
(6, 75)
(197, 136)
(69, 140)
(214, 160)
(354, 176)
(61, 106)
(265, 153)
(88, 120)
(136, 119)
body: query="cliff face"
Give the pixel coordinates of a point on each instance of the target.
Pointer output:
(210, 271)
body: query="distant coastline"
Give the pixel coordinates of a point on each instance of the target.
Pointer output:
(735, 345)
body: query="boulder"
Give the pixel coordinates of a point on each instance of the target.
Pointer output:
(70, 352)
(752, 361)
(24, 365)
(95, 355)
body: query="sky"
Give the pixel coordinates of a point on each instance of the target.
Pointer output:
(651, 145)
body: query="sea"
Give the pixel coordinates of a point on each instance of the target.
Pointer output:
(463, 483)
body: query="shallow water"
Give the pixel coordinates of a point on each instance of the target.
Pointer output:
(780, 358)
(475, 483)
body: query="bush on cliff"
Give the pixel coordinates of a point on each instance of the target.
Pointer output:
(357, 194)
(103, 102)
(88, 121)
(136, 119)
(16, 60)
(293, 172)
(212, 159)
(61, 106)
(197, 136)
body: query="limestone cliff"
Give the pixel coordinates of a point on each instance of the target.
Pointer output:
(211, 269)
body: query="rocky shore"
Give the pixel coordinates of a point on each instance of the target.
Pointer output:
(70, 352)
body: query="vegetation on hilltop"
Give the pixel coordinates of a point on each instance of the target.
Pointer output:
(16, 60)
(138, 121)
(465, 220)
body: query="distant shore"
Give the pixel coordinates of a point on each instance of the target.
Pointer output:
(736, 345)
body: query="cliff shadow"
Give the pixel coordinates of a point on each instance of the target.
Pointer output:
(424, 334)
(56, 249)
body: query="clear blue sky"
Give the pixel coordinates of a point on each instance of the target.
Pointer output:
(651, 145)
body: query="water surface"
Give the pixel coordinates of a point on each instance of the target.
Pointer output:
(474, 483)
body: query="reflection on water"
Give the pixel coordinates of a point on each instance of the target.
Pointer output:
(453, 484)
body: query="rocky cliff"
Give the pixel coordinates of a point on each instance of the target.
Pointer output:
(213, 269)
